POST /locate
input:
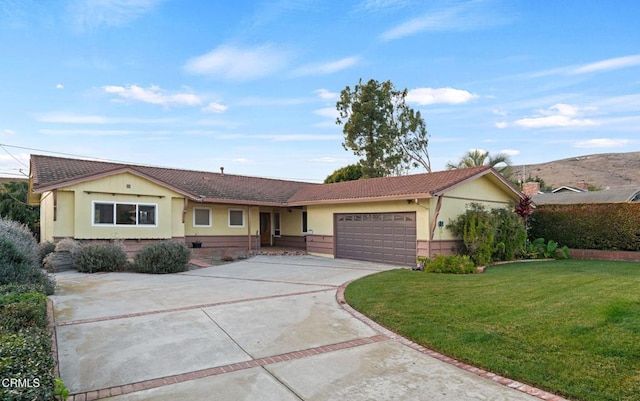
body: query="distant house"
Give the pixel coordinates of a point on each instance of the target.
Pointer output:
(605, 196)
(567, 188)
(390, 219)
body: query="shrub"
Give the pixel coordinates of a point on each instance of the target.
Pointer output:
(19, 257)
(92, 258)
(487, 236)
(19, 309)
(162, 257)
(455, 264)
(540, 249)
(26, 355)
(21, 237)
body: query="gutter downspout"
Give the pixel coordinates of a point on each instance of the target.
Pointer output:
(249, 228)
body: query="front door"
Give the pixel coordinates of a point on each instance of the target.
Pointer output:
(265, 229)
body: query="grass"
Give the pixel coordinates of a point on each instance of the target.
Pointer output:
(571, 327)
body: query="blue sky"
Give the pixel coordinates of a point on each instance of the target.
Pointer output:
(252, 85)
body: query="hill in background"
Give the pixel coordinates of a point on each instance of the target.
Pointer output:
(607, 170)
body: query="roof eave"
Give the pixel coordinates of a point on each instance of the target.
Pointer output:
(109, 173)
(243, 202)
(493, 172)
(361, 200)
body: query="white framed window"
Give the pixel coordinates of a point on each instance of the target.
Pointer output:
(305, 227)
(201, 217)
(236, 218)
(276, 224)
(124, 214)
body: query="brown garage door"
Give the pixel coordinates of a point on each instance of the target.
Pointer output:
(378, 237)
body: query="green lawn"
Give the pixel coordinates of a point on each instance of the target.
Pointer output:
(571, 327)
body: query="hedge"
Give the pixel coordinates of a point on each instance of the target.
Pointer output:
(610, 226)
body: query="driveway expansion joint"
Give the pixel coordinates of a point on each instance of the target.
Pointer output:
(219, 370)
(187, 308)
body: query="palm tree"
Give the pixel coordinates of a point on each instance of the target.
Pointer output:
(475, 158)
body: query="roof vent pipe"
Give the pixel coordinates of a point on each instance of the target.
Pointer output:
(222, 170)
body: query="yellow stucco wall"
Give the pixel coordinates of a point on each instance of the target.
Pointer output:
(75, 206)
(46, 216)
(454, 202)
(177, 208)
(220, 220)
(320, 217)
(291, 222)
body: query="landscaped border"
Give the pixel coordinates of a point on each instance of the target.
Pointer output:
(525, 388)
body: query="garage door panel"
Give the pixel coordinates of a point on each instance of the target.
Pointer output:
(380, 237)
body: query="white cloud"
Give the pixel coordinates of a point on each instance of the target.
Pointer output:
(501, 124)
(300, 137)
(559, 115)
(608, 64)
(8, 132)
(510, 152)
(239, 64)
(91, 132)
(427, 96)
(326, 95)
(95, 13)
(327, 159)
(326, 68)
(601, 143)
(329, 112)
(214, 107)
(67, 118)
(461, 17)
(59, 86)
(380, 5)
(241, 160)
(153, 95)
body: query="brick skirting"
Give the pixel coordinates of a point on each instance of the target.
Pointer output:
(629, 256)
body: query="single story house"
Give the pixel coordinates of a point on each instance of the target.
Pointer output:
(613, 195)
(389, 219)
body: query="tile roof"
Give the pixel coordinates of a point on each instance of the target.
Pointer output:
(385, 188)
(51, 172)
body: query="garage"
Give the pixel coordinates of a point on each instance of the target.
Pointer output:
(377, 237)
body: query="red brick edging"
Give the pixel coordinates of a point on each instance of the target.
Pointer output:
(532, 391)
(218, 370)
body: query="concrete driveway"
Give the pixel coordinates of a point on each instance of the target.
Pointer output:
(266, 328)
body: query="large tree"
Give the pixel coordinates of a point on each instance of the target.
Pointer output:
(351, 172)
(475, 158)
(378, 125)
(13, 204)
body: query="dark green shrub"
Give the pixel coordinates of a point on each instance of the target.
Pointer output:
(510, 234)
(22, 309)
(610, 226)
(489, 235)
(162, 257)
(26, 356)
(456, 264)
(102, 257)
